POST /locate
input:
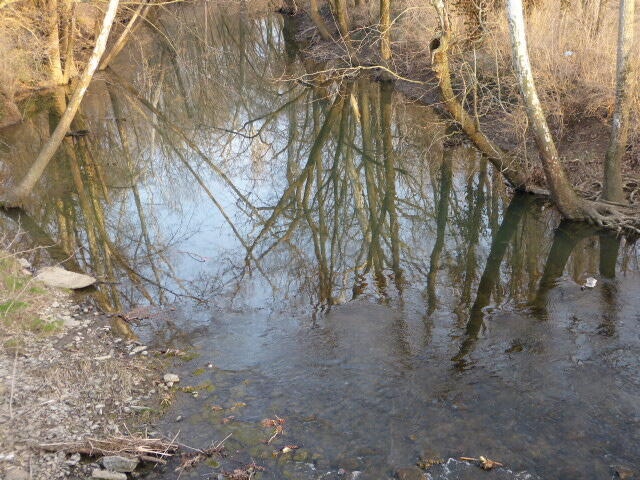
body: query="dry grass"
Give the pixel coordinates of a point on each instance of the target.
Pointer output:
(574, 67)
(22, 50)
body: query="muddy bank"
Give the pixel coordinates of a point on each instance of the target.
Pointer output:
(65, 377)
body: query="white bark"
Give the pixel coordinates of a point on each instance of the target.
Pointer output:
(561, 191)
(52, 144)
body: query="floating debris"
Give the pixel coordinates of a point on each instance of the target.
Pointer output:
(285, 449)
(483, 462)
(278, 423)
(426, 464)
(191, 459)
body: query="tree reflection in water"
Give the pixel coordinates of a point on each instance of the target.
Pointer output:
(206, 178)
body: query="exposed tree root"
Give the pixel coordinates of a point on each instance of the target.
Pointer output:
(611, 216)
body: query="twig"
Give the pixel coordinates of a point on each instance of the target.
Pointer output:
(13, 384)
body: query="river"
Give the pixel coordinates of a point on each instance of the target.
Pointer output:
(335, 255)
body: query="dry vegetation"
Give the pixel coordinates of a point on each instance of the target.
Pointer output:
(572, 47)
(574, 65)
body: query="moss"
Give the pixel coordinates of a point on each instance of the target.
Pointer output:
(199, 371)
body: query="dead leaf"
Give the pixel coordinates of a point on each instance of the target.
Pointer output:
(488, 464)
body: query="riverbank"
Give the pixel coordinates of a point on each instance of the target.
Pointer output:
(65, 377)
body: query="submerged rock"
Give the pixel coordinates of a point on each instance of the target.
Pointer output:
(119, 464)
(409, 473)
(62, 278)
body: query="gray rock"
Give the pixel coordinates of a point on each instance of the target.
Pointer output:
(16, 474)
(119, 464)
(24, 263)
(62, 278)
(107, 475)
(171, 378)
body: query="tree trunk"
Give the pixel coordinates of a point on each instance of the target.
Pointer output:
(562, 192)
(511, 168)
(70, 69)
(141, 12)
(52, 144)
(624, 87)
(385, 30)
(343, 20)
(314, 13)
(53, 42)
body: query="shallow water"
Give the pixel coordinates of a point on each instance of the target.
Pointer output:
(340, 261)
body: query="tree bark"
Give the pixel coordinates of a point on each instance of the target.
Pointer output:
(624, 86)
(314, 13)
(53, 42)
(343, 19)
(385, 30)
(70, 69)
(52, 144)
(562, 192)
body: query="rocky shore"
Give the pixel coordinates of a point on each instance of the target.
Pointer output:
(65, 377)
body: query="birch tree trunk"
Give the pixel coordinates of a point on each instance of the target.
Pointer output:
(52, 144)
(624, 86)
(141, 12)
(562, 192)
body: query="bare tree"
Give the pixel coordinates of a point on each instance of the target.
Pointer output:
(51, 146)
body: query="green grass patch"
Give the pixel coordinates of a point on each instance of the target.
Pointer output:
(11, 305)
(37, 325)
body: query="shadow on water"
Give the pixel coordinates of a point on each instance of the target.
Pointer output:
(339, 257)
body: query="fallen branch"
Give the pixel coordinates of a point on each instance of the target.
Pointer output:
(154, 450)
